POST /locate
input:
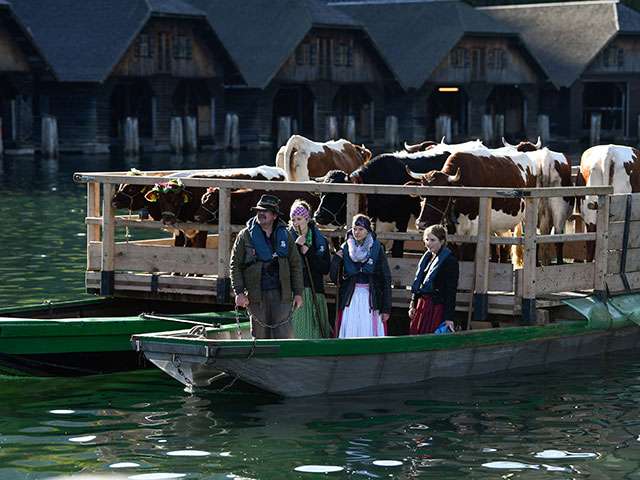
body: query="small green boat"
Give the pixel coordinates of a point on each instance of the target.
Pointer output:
(295, 368)
(88, 337)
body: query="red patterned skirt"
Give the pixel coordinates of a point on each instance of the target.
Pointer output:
(428, 316)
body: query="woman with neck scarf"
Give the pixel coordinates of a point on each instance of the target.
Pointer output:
(314, 250)
(364, 296)
(434, 287)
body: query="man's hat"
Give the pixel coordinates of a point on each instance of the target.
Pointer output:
(268, 202)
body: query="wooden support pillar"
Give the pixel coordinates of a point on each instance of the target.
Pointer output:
(602, 246)
(223, 286)
(108, 241)
(353, 203)
(529, 267)
(481, 279)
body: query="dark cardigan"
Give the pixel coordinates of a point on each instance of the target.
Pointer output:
(379, 282)
(445, 288)
(319, 264)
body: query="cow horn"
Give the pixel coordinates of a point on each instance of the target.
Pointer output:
(539, 143)
(507, 144)
(415, 176)
(454, 178)
(442, 141)
(407, 147)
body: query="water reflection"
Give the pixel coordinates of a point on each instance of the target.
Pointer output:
(577, 420)
(42, 230)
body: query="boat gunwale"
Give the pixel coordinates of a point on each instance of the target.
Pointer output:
(378, 345)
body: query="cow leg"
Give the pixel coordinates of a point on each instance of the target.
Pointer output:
(178, 239)
(559, 253)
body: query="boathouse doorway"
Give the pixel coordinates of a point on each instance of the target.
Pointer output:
(192, 98)
(295, 105)
(451, 102)
(510, 102)
(7, 106)
(353, 102)
(607, 99)
(131, 98)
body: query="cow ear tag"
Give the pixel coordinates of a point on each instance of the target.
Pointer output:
(185, 197)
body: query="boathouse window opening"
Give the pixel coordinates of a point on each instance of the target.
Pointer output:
(459, 57)
(164, 52)
(343, 55)
(613, 57)
(144, 45)
(496, 59)
(306, 54)
(182, 47)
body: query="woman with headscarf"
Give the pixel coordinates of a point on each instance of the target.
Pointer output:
(361, 270)
(314, 251)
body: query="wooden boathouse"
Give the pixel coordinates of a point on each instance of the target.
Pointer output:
(143, 269)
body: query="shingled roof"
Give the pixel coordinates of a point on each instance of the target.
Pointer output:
(566, 37)
(414, 37)
(261, 34)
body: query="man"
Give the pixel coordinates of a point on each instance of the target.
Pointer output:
(265, 270)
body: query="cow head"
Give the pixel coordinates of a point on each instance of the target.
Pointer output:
(171, 196)
(363, 152)
(333, 206)
(130, 196)
(524, 146)
(434, 209)
(209, 209)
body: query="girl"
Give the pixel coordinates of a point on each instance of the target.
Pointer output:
(435, 285)
(364, 297)
(314, 250)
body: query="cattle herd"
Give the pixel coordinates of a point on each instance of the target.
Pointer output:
(469, 164)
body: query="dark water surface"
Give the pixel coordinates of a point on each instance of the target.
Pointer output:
(572, 421)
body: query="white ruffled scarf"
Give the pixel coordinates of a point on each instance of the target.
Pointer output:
(359, 253)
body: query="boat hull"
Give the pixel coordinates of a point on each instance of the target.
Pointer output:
(275, 366)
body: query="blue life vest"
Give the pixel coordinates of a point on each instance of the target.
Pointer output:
(352, 268)
(424, 281)
(260, 243)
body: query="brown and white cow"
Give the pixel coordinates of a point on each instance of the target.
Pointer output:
(479, 168)
(554, 170)
(303, 159)
(615, 165)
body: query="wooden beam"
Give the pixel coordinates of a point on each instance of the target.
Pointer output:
(353, 205)
(481, 281)
(602, 239)
(108, 241)
(530, 257)
(223, 286)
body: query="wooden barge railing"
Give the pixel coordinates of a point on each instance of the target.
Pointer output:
(143, 268)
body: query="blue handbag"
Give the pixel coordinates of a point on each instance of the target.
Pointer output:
(442, 328)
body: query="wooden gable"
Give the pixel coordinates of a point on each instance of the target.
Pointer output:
(340, 56)
(493, 60)
(12, 58)
(169, 46)
(622, 55)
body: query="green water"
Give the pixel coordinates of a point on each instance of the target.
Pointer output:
(572, 421)
(42, 211)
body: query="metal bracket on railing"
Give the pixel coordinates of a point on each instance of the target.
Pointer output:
(514, 193)
(83, 178)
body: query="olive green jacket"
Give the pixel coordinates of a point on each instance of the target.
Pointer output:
(246, 271)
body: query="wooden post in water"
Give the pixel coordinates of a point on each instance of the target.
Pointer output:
(481, 280)
(108, 241)
(223, 285)
(530, 257)
(190, 135)
(602, 244)
(177, 135)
